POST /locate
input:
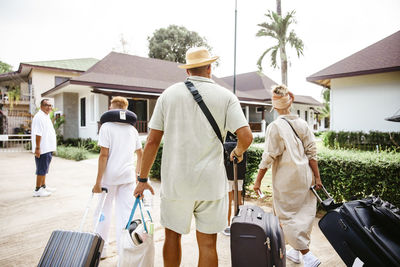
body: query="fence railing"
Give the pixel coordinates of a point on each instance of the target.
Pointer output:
(141, 126)
(15, 143)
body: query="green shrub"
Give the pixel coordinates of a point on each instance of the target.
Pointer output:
(253, 159)
(350, 174)
(88, 144)
(254, 156)
(258, 140)
(76, 153)
(362, 141)
(155, 171)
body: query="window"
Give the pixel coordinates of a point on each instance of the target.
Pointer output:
(83, 112)
(259, 109)
(58, 80)
(306, 115)
(298, 112)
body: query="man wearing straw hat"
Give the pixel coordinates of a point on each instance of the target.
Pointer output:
(193, 174)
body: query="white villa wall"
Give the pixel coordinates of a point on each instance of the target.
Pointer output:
(310, 114)
(44, 80)
(96, 105)
(361, 103)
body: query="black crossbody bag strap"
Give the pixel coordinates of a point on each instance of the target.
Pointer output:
(293, 130)
(197, 97)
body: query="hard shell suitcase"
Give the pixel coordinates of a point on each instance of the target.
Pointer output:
(74, 248)
(256, 236)
(357, 236)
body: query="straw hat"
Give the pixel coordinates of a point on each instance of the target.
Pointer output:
(197, 57)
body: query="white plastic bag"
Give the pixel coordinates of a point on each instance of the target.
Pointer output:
(132, 255)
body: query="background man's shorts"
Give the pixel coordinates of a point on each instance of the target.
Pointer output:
(43, 163)
(211, 216)
(232, 187)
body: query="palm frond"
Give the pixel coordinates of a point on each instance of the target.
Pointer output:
(259, 62)
(274, 54)
(296, 43)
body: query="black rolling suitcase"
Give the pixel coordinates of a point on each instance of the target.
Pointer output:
(74, 248)
(256, 237)
(357, 235)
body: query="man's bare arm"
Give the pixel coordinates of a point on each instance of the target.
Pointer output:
(149, 155)
(103, 159)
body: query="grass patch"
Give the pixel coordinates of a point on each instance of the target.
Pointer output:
(75, 153)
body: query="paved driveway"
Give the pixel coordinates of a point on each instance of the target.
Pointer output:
(27, 222)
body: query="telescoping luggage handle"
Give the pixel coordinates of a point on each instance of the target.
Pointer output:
(103, 199)
(236, 187)
(328, 203)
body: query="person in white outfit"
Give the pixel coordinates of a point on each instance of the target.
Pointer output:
(43, 144)
(118, 142)
(291, 151)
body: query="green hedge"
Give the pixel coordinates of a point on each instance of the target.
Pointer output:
(75, 153)
(253, 159)
(363, 141)
(155, 171)
(350, 174)
(88, 144)
(254, 156)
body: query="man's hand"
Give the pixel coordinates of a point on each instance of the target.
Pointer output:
(97, 188)
(235, 154)
(37, 152)
(318, 183)
(140, 187)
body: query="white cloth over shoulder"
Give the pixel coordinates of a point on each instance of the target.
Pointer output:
(122, 140)
(293, 201)
(192, 165)
(42, 126)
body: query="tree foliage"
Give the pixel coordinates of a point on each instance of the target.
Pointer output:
(325, 110)
(171, 43)
(4, 67)
(277, 28)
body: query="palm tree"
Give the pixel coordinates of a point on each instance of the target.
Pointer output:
(277, 27)
(325, 110)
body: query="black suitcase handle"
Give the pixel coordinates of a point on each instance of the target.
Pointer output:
(328, 203)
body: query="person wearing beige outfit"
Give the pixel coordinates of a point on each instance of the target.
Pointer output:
(291, 151)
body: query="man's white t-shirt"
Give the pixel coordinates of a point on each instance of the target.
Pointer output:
(122, 140)
(192, 166)
(42, 126)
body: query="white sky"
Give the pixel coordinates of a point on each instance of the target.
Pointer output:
(38, 30)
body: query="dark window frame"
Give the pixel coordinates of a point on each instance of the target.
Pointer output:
(82, 105)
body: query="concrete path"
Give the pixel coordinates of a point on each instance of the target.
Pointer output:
(27, 222)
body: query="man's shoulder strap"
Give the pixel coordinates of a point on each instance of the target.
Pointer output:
(197, 97)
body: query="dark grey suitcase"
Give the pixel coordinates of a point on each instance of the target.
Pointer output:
(256, 237)
(356, 235)
(74, 248)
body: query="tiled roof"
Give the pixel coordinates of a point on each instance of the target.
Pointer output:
(257, 86)
(123, 71)
(79, 64)
(383, 56)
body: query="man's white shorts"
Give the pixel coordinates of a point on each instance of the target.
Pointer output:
(211, 216)
(231, 185)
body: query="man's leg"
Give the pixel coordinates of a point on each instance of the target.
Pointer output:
(172, 250)
(207, 249)
(40, 180)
